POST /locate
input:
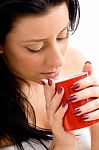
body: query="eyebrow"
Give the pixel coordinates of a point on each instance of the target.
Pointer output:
(40, 40)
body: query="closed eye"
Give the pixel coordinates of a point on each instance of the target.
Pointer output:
(64, 35)
(31, 50)
(61, 39)
(34, 50)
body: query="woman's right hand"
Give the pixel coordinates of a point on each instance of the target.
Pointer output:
(62, 140)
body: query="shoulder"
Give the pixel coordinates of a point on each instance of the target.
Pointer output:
(76, 55)
(74, 60)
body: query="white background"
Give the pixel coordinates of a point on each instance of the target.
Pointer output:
(86, 36)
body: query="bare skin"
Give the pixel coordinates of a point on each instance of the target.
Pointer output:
(35, 43)
(73, 58)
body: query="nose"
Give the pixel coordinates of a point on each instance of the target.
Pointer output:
(55, 58)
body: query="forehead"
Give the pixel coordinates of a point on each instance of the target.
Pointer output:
(53, 21)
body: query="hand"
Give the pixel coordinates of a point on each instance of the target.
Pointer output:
(89, 87)
(61, 139)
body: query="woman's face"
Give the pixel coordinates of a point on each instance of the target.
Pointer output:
(36, 46)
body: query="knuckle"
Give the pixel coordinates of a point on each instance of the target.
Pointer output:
(46, 107)
(93, 91)
(96, 103)
(84, 108)
(56, 117)
(51, 108)
(95, 80)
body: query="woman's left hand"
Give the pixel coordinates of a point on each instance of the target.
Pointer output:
(89, 88)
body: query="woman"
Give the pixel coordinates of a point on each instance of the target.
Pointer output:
(33, 51)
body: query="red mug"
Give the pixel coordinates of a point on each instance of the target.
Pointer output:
(71, 121)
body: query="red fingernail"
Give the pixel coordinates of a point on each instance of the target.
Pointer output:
(60, 90)
(77, 111)
(85, 117)
(49, 82)
(75, 86)
(43, 82)
(87, 62)
(72, 97)
(64, 103)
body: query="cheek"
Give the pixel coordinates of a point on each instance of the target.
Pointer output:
(27, 68)
(24, 63)
(33, 62)
(64, 48)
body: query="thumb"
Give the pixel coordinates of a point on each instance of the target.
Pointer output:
(87, 67)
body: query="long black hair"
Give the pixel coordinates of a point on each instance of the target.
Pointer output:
(14, 124)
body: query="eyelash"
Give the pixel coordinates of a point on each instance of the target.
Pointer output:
(34, 51)
(43, 47)
(62, 39)
(66, 37)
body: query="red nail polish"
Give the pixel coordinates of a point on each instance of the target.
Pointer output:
(43, 82)
(64, 103)
(85, 117)
(75, 86)
(72, 97)
(87, 62)
(77, 111)
(60, 90)
(49, 82)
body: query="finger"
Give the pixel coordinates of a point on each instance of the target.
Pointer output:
(87, 67)
(91, 116)
(49, 90)
(85, 82)
(56, 111)
(60, 114)
(62, 110)
(55, 102)
(88, 107)
(84, 94)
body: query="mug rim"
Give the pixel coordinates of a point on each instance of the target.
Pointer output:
(71, 76)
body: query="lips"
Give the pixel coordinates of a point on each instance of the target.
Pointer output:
(51, 74)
